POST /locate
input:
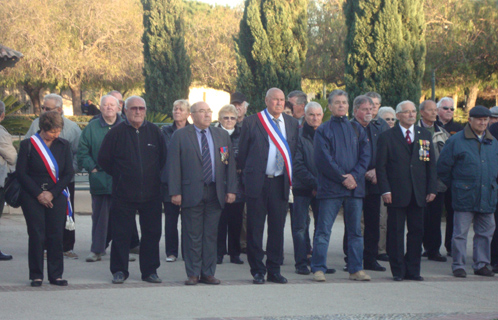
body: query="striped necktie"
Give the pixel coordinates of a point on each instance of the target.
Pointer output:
(279, 158)
(207, 170)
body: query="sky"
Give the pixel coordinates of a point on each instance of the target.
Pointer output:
(231, 3)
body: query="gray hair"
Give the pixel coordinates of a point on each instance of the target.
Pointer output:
(302, 98)
(57, 98)
(2, 107)
(361, 100)
(372, 94)
(184, 104)
(399, 107)
(114, 91)
(383, 110)
(229, 108)
(109, 96)
(271, 90)
(334, 93)
(127, 101)
(440, 102)
(312, 105)
(421, 107)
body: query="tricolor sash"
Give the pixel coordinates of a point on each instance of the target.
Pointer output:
(278, 139)
(53, 170)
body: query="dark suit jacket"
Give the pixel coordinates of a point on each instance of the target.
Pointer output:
(254, 145)
(184, 165)
(400, 170)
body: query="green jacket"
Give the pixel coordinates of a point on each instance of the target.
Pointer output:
(88, 151)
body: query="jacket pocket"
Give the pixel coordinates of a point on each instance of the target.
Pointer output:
(98, 181)
(464, 195)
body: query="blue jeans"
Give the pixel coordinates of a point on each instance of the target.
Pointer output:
(300, 224)
(328, 212)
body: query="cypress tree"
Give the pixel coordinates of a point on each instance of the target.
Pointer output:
(166, 63)
(271, 48)
(385, 49)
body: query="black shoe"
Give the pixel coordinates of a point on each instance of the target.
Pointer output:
(383, 257)
(4, 256)
(484, 271)
(219, 260)
(397, 278)
(437, 257)
(414, 278)
(259, 278)
(153, 278)
(460, 273)
(345, 268)
(495, 268)
(118, 277)
(36, 283)
(236, 260)
(374, 266)
(303, 270)
(276, 277)
(60, 282)
(448, 254)
(425, 254)
(330, 271)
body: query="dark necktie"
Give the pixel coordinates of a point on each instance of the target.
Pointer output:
(207, 170)
(408, 139)
(279, 158)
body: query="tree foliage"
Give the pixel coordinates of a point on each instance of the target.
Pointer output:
(385, 48)
(166, 63)
(271, 47)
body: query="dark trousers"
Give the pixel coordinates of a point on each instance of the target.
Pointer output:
(230, 224)
(270, 203)
(45, 230)
(2, 200)
(171, 215)
(200, 234)
(371, 234)
(300, 222)
(449, 220)
(135, 240)
(432, 225)
(494, 242)
(69, 236)
(405, 264)
(123, 222)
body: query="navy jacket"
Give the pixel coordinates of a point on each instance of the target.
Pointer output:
(470, 168)
(304, 172)
(341, 147)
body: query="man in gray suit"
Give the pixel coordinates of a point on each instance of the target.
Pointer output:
(202, 178)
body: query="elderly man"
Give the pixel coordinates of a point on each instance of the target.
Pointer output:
(445, 113)
(406, 174)
(133, 154)
(363, 110)
(8, 157)
(298, 99)
(267, 145)
(201, 179)
(305, 185)
(342, 154)
(71, 132)
(494, 115)
(116, 94)
(377, 100)
(468, 164)
(100, 182)
(493, 129)
(433, 210)
(238, 99)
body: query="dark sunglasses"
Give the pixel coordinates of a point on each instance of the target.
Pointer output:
(47, 109)
(229, 118)
(389, 119)
(448, 108)
(134, 109)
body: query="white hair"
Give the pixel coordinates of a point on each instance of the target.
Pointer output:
(399, 107)
(134, 98)
(110, 97)
(312, 105)
(383, 110)
(440, 102)
(55, 97)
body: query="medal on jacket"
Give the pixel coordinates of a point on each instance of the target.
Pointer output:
(424, 150)
(224, 154)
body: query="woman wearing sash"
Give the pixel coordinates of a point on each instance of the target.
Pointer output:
(44, 169)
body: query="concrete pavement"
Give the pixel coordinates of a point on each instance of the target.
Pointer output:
(90, 293)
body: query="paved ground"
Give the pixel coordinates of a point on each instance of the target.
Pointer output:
(90, 293)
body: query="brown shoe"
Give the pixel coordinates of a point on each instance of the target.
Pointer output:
(209, 280)
(192, 281)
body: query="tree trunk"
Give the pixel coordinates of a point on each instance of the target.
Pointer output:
(34, 95)
(496, 100)
(76, 97)
(471, 101)
(455, 100)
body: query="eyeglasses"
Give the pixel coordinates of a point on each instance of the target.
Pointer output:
(448, 108)
(389, 119)
(204, 111)
(229, 118)
(135, 109)
(47, 109)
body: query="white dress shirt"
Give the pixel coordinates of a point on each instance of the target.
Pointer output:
(271, 165)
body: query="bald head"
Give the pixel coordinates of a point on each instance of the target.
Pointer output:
(275, 102)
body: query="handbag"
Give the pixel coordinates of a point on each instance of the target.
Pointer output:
(13, 190)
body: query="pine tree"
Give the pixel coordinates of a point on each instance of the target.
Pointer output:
(271, 48)
(166, 63)
(385, 49)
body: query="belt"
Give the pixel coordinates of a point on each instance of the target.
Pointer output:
(273, 177)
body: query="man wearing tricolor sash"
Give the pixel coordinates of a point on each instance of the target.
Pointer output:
(266, 148)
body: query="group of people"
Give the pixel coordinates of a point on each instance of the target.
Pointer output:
(231, 178)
